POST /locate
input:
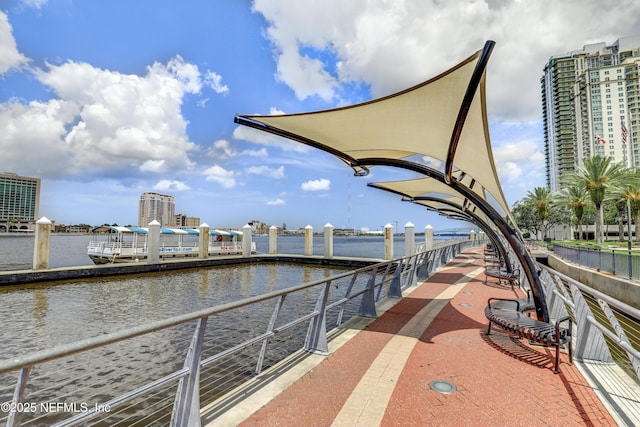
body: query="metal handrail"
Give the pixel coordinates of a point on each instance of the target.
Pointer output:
(568, 296)
(620, 262)
(187, 402)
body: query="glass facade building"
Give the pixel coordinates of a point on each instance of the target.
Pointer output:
(591, 106)
(19, 202)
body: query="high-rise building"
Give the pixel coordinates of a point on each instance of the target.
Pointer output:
(159, 207)
(591, 106)
(19, 202)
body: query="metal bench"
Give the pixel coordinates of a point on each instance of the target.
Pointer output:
(508, 315)
(503, 276)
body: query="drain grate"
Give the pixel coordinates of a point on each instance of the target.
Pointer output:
(444, 387)
(464, 304)
(468, 292)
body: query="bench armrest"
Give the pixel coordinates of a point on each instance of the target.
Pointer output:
(504, 299)
(564, 319)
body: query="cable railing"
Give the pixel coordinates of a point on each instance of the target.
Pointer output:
(621, 262)
(95, 381)
(606, 329)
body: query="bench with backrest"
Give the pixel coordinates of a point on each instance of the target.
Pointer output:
(508, 314)
(503, 275)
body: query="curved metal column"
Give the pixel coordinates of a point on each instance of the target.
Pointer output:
(516, 244)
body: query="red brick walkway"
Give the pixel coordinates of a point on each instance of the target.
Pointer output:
(500, 380)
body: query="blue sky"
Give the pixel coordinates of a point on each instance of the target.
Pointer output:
(107, 100)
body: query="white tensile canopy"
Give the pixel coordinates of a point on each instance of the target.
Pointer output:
(443, 118)
(432, 194)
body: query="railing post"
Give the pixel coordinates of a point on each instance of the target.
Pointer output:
(599, 259)
(18, 394)
(630, 266)
(368, 303)
(395, 288)
(186, 409)
(590, 343)
(613, 261)
(272, 323)
(316, 341)
(620, 333)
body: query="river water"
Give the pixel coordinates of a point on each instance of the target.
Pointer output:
(40, 316)
(16, 252)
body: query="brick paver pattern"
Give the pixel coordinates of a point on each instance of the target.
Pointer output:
(382, 375)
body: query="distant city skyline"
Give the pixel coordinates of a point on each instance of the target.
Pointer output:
(103, 112)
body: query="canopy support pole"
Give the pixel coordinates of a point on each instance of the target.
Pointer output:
(514, 241)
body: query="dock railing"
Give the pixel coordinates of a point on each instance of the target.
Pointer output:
(95, 379)
(621, 262)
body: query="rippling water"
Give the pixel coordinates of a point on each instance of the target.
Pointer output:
(40, 316)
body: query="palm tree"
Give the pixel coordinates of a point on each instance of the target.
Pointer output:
(542, 199)
(597, 175)
(632, 196)
(575, 197)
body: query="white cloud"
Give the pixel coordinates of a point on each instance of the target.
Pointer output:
(276, 202)
(167, 185)
(103, 122)
(221, 149)
(35, 3)
(392, 45)
(267, 171)
(152, 166)
(9, 56)
(245, 133)
(42, 150)
(214, 81)
(316, 185)
(256, 153)
(220, 175)
(185, 73)
(517, 158)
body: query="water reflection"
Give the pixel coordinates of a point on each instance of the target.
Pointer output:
(65, 312)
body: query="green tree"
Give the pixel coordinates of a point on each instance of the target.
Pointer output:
(597, 175)
(632, 197)
(575, 197)
(524, 214)
(542, 200)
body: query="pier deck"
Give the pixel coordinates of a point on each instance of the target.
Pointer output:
(397, 370)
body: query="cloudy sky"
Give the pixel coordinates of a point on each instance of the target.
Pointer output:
(107, 100)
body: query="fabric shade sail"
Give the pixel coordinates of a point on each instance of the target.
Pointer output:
(430, 193)
(443, 118)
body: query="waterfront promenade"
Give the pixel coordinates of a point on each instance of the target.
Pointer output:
(426, 361)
